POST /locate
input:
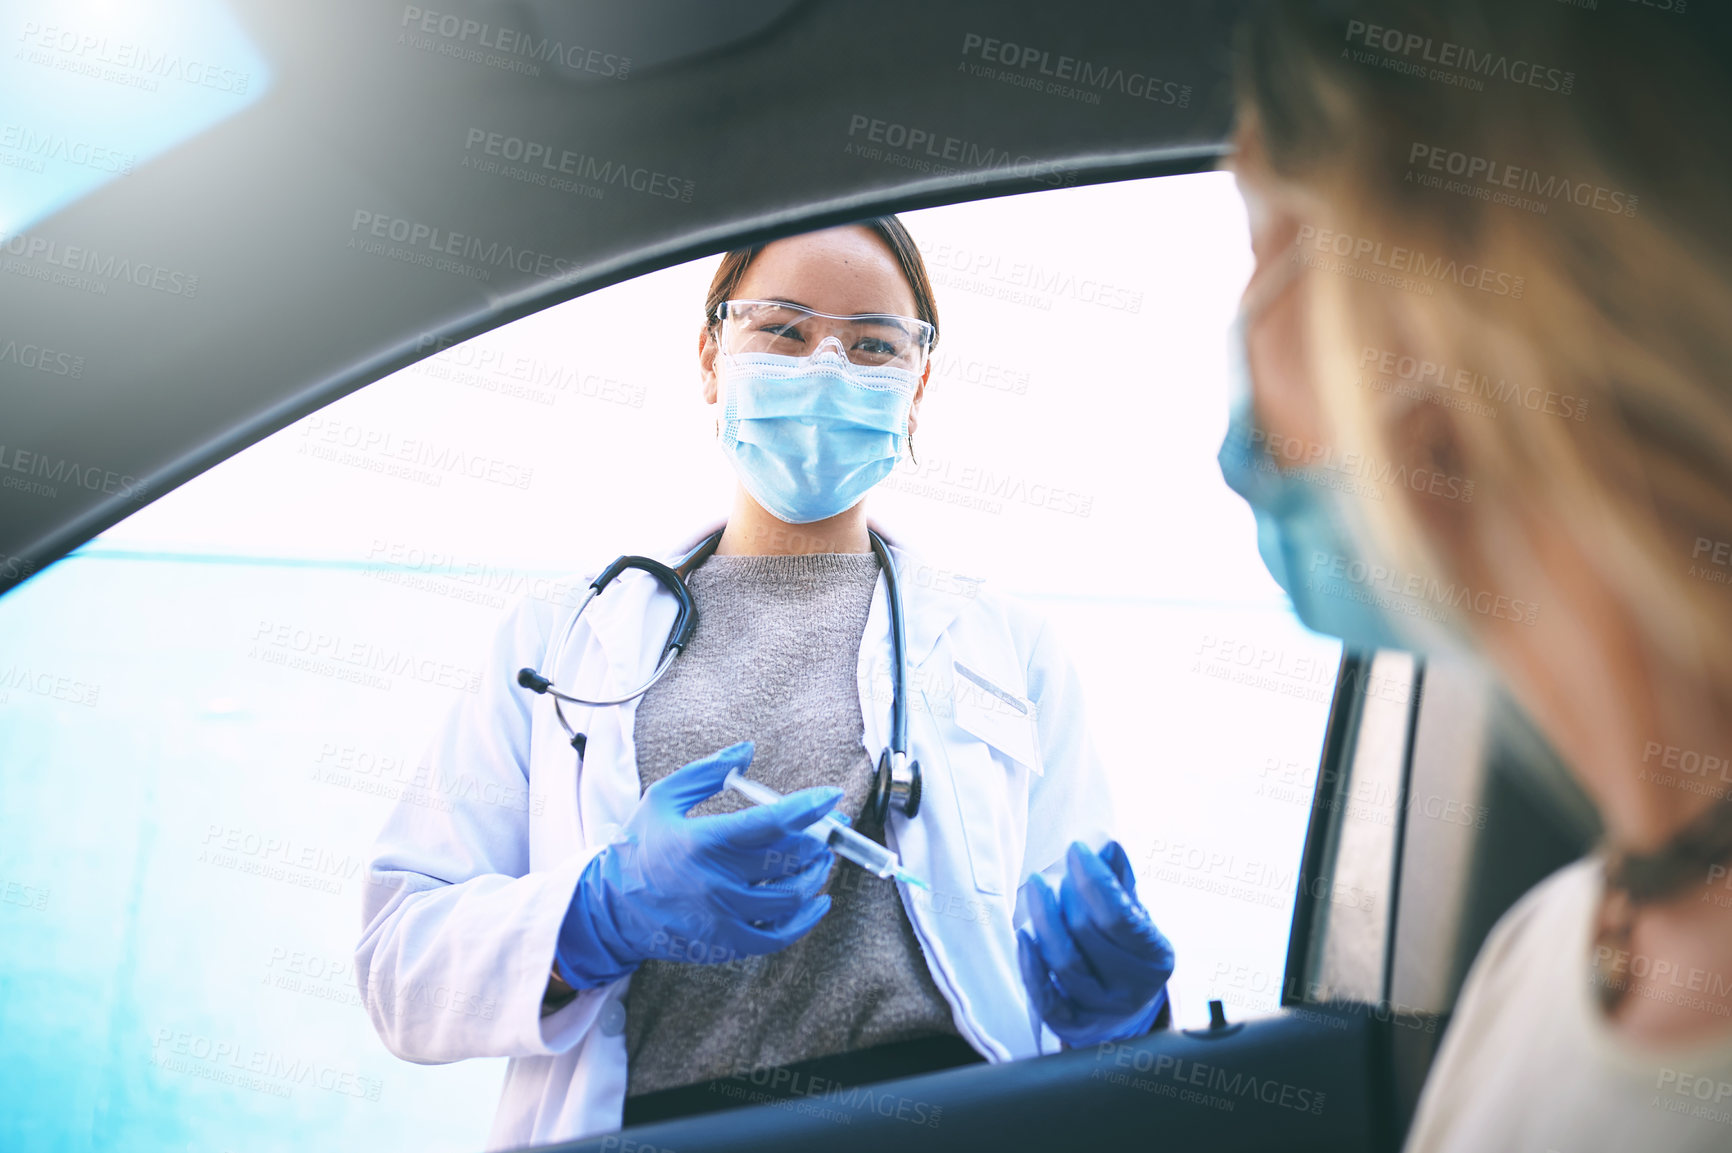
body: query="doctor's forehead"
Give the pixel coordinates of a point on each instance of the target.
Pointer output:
(841, 270)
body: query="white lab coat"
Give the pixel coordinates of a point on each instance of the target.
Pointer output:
(469, 881)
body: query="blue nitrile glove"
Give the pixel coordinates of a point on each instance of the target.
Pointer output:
(698, 889)
(1096, 968)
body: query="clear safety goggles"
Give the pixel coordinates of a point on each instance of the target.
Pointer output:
(869, 339)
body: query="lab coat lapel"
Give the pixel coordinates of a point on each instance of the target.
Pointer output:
(927, 611)
(928, 605)
(948, 918)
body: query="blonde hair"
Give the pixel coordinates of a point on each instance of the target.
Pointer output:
(1547, 186)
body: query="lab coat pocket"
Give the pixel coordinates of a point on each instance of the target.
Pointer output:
(990, 785)
(1002, 718)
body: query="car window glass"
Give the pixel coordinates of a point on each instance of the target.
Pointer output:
(209, 710)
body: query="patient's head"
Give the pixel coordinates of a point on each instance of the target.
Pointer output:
(1482, 254)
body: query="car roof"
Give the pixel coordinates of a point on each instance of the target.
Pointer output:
(402, 176)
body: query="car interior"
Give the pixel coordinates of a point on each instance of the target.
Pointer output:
(285, 214)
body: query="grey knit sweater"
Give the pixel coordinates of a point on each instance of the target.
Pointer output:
(773, 660)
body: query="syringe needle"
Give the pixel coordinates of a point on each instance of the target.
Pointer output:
(908, 878)
(842, 838)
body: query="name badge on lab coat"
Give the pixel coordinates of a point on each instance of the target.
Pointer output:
(1003, 719)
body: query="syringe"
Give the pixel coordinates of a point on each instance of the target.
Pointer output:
(862, 850)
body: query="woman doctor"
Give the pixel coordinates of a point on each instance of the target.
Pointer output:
(637, 936)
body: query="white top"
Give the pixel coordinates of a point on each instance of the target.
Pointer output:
(1531, 1064)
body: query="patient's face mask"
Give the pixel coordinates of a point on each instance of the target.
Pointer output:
(809, 435)
(1302, 533)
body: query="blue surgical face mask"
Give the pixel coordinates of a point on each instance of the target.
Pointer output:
(1300, 527)
(808, 436)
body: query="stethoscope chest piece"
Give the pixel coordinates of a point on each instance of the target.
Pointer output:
(895, 787)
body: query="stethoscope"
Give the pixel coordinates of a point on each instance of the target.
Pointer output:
(896, 781)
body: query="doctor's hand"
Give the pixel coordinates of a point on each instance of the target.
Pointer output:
(704, 890)
(1096, 967)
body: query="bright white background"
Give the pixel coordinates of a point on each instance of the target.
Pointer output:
(590, 414)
